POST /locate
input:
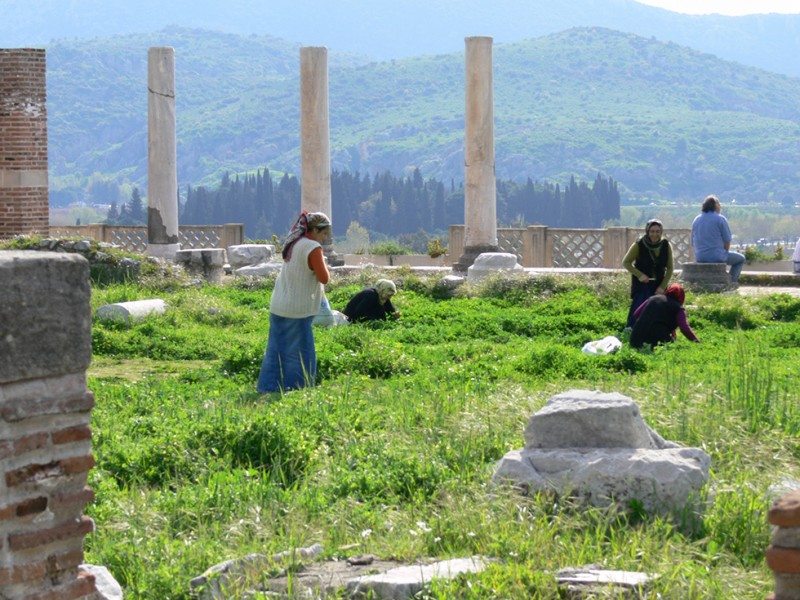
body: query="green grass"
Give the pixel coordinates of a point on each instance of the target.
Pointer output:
(393, 451)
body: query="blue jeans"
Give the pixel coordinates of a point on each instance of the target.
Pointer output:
(290, 360)
(736, 262)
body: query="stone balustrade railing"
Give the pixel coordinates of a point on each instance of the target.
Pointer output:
(134, 238)
(541, 246)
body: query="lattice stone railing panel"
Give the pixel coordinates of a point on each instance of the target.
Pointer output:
(132, 240)
(192, 238)
(577, 248)
(681, 241)
(511, 241)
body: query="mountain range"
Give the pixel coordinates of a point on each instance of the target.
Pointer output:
(663, 120)
(386, 29)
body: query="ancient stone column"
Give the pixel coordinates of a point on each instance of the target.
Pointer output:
(162, 174)
(45, 439)
(480, 205)
(24, 206)
(315, 153)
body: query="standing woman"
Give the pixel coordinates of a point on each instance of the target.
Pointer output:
(290, 360)
(649, 261)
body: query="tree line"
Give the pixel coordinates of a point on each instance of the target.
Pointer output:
(384, 204)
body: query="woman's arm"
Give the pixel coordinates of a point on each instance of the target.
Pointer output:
(667, 272)
(316, 262)
(683, 325)
(630, 258)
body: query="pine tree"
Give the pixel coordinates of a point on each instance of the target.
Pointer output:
(112, 216)
(136, 212)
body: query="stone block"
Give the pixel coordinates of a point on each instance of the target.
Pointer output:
(489, 263)
(787, 537)
(595, 447)
(787, 587)
(706, 277)
(45, 312)
(136, 310)
(245, 255)
(590, 419)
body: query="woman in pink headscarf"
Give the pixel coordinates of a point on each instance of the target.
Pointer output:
(290, 360)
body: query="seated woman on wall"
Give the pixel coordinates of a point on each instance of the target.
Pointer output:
(649, 261)
(372, 303)
(659, 316)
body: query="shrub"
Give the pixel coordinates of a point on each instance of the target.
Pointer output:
(389, 248)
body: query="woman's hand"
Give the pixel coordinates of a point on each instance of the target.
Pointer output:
(645, 279)
(660, 291)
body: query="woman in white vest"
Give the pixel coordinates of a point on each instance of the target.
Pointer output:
(290, 360)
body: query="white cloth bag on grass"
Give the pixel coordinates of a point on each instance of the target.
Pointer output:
(607, 345)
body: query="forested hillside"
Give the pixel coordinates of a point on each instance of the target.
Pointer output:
(664, 121)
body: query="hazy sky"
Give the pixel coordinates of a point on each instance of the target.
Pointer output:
(727, 7)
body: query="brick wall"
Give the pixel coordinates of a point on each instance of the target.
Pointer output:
(45, 440)
(24, 204)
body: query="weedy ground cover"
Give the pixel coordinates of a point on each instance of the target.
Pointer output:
(392, 452)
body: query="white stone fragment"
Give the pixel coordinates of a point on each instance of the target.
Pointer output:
(405, 582)
(590, 577)
(490, 263)
(244, 255)
(262, 270)
(135, 310)
(107, 587)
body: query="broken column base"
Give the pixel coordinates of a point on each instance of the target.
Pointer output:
(470, 254)
(165, 251)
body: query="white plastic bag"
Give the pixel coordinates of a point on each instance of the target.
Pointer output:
(326, 317)
(607, 345)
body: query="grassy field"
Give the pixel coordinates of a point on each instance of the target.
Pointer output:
(392, 453)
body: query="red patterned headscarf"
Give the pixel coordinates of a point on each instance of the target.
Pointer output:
(675, 291)
(304, 222)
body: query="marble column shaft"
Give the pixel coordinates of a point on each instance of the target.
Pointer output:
(480, 204)
(162, 175)
(314, 130)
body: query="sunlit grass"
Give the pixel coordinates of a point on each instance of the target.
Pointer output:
(393, 452)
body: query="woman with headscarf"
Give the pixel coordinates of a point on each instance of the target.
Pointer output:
(372, 303)
(649, 261)
(659, 316)
(290, 360)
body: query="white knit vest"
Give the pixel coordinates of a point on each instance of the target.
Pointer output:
(297, 292)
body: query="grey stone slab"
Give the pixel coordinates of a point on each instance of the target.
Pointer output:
(45, 316)
(659, 479)
(403, 582)
(589, 419)
(586, 582)
(787, 537)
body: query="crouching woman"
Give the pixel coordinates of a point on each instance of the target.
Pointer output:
(657, 319)
(290, 360)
